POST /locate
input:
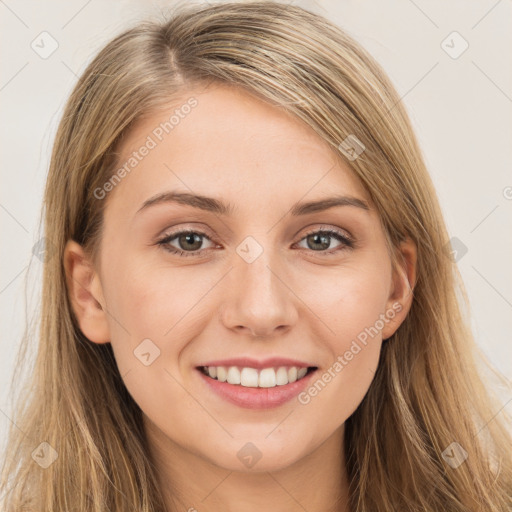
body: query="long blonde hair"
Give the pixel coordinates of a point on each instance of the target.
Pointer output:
(426, 393)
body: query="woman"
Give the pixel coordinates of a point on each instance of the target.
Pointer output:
(308, 350)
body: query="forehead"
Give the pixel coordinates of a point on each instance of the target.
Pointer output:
(223, 141)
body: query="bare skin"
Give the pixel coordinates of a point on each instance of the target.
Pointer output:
(294, 300)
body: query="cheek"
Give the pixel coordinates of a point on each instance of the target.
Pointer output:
(351, 304)
(155, 313)
(156, 303)
(349, 301)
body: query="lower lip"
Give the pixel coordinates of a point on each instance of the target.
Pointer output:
(257, 398)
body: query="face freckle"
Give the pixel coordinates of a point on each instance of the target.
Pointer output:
(265, 282)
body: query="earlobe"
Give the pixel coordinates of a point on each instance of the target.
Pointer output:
(401, 297)
(85, 293)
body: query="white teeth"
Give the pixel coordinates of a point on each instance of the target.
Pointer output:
(249, 377)
(267, 378)
(233, 375)
(292, 374)
(281, 376)
(252, 378)
(221, 373)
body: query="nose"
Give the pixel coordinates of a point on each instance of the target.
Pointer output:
(258, 299)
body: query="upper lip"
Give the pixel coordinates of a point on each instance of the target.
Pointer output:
(259, 364)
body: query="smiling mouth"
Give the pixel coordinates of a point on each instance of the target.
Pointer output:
(257, 378)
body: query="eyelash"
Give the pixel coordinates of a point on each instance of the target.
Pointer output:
(347, 242)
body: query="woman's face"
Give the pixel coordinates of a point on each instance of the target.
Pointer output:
(264, 275)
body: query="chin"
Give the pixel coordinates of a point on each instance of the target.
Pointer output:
(257, 456)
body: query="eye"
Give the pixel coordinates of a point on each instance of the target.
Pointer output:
(189, 240)
(320, 240)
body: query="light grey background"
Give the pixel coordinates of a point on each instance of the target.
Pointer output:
(460, 107)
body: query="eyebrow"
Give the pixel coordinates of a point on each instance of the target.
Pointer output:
(213, 205)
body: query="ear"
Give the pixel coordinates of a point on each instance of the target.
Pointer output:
(401, 296)
(85, 293)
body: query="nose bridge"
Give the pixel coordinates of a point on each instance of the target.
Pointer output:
(258, 298)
